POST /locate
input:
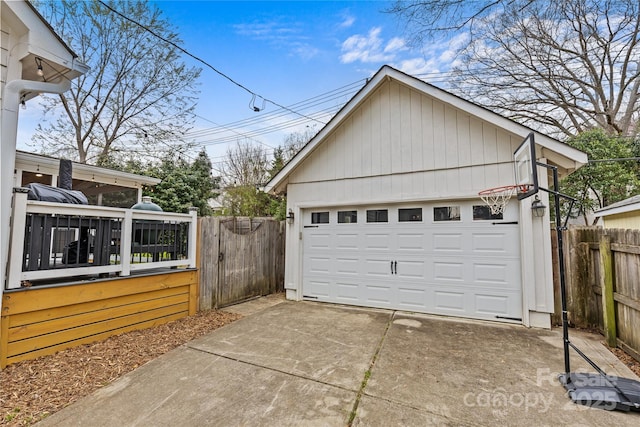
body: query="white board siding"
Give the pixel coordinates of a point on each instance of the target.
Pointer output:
(398, 130)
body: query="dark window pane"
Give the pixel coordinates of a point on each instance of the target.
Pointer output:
(446, 213)
(414, 214)
(483, 212)
(378, 215)
(346, 217)
(319, 217)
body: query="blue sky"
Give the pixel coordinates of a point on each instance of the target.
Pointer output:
(287, 52)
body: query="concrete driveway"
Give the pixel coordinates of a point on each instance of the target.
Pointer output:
(326, 365)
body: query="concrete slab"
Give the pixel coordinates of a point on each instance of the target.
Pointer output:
(187, 387)
(373, 411)
(477, 373)
(304, 364)
(323, 342)
(255, 305)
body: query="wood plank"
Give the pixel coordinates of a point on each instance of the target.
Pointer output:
(71, 310)
(4, 329)
(627, 249)
(193, 299)
(94, 338)
(53, 339)
(33, 299)
(629, 350)
(625, 300)
(94, 317)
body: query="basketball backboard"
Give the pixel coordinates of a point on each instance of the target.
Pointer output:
(526, 170)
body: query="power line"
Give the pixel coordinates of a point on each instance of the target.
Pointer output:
(181, 49)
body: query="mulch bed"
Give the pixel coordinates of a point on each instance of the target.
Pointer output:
(33, 389)
(632, 363)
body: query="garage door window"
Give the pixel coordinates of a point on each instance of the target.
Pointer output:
(483, 212)
(405, 215)
(446, 213)
(319, 217)
(347, 217)
(377, 215)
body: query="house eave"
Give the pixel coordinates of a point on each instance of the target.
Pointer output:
(32, 162)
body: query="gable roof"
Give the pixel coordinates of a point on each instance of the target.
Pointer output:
(626, 205)
(565, 157)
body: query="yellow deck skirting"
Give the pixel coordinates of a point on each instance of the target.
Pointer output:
(40, 321)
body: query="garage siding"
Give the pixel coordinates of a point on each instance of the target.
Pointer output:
(399, 130)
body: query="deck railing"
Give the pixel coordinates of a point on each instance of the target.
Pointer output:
(59, 240)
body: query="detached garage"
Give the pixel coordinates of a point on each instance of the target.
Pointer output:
(384, 208)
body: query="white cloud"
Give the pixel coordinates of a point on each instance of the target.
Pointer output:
(396, 44)
(417, 66)
(287, 36)
(304, 51)
(347, 22)
(370, 48)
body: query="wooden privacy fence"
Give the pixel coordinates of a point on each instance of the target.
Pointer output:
(603, 284)
(240, 258)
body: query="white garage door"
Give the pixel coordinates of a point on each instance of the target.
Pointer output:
(451, 258)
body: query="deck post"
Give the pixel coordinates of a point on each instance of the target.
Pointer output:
(125, 243)
(16, 242)
(193, 237)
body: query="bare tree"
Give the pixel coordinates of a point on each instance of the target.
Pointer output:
(138, 97)
(294, 142)
(246, 165)
(562, 67)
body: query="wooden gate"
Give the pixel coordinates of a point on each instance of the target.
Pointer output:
(240, 258)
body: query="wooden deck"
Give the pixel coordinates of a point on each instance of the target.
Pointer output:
(38, 321)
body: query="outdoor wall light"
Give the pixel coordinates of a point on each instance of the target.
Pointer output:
(538, 208)
(290, 217)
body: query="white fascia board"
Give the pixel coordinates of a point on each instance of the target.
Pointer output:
(620, 209)
(31, 162)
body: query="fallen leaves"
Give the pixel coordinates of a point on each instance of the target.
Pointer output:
(33, 389)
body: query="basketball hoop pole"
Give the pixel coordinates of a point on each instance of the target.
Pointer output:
(596, 390)
(561, 267)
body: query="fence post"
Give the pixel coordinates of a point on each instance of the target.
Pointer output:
(606, 281)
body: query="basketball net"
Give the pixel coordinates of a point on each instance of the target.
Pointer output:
(498, 197)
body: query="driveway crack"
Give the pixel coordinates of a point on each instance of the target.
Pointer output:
(367, 374)
(257, 365)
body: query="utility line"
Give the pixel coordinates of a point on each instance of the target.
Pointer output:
(181, 49)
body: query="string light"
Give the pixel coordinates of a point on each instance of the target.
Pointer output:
(40, 71)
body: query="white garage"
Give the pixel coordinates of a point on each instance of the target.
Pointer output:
(384, 211)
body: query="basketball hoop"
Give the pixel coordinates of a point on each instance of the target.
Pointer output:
(498, 197)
